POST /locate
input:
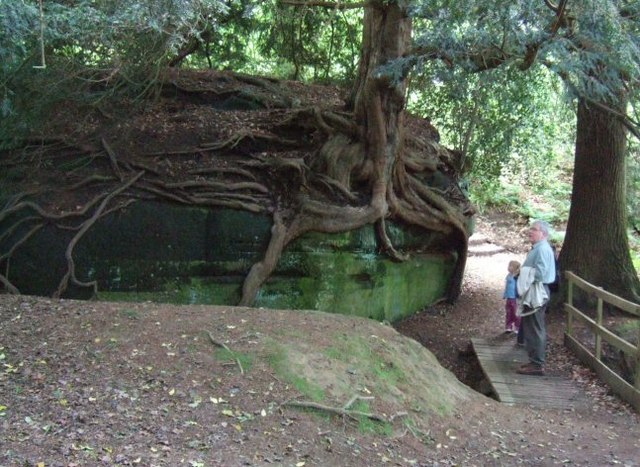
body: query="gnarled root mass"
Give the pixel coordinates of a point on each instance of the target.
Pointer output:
(307, 167)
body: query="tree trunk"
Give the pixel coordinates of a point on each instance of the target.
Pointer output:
(378, 106)
(596, 245)
(379, 101)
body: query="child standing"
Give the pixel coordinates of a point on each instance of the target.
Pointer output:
(512, 321)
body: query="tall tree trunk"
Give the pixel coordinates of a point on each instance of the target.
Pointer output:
(596, 246)
(378, 101)
(367, 156)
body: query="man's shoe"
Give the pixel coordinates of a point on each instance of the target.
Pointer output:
(530, 369)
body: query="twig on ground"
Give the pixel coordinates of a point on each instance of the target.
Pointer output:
(354, 414)
(225, 347)
(357, 398)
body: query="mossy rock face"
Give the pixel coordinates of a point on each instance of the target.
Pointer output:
(162, 252)
(361, 284)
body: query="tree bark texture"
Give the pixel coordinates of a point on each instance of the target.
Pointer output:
(378, 104)
(596, 246)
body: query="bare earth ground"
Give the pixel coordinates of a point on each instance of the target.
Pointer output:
(86, 383)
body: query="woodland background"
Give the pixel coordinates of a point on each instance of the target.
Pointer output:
(538, 102)
(537, 98)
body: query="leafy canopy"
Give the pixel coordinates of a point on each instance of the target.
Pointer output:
(593, 45)
(104, 45)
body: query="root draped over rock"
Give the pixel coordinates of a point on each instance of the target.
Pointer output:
(310, 168)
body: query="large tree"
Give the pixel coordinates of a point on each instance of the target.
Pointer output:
(596, 245)
(592, 46)
(376, 170)
(364, 167)
(374, 149)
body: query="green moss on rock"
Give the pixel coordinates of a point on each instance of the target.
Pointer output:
(169, 253)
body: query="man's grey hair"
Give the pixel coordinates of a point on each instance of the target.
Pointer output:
(543, 226)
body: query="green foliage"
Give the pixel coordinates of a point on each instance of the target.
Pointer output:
(633, 183)
(93, 49)
(516, 132)
(634, 249)
(501, 120)
(318, 44)
(633, 201)
(549, 202)
(230, 42)
(594, 48)
(492, 194)
(19, 27)
(98, 49)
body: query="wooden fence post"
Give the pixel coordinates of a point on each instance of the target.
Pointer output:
(569, 312)
(627, 390)
(637, 372)
(597, 330)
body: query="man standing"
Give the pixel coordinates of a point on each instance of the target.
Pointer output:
(542, 260)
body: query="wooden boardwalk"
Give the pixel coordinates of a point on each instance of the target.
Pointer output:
(500, 358)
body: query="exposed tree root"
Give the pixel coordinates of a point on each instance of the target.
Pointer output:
(112, 159)
(241, 135)
(8, 285)
(71, 274)
(17, 244)
(14, 227)
(224, 170)
(262, 270)
(385, 243)
(345, 181)
(336, 188)
(91, 180)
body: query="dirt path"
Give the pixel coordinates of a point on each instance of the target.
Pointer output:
(106, 383)
(607, 432)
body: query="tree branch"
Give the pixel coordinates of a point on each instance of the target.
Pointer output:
(625, 120)
(496, 56)
(354, 414)
(333, 5)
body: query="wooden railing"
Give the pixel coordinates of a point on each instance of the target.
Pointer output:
(628, 392)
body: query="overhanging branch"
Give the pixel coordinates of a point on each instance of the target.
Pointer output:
(494, 56)
(333, 5)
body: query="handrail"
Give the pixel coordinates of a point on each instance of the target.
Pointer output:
(628, 392)
(626, 305)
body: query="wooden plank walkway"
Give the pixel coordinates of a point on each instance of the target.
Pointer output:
(500, 358)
